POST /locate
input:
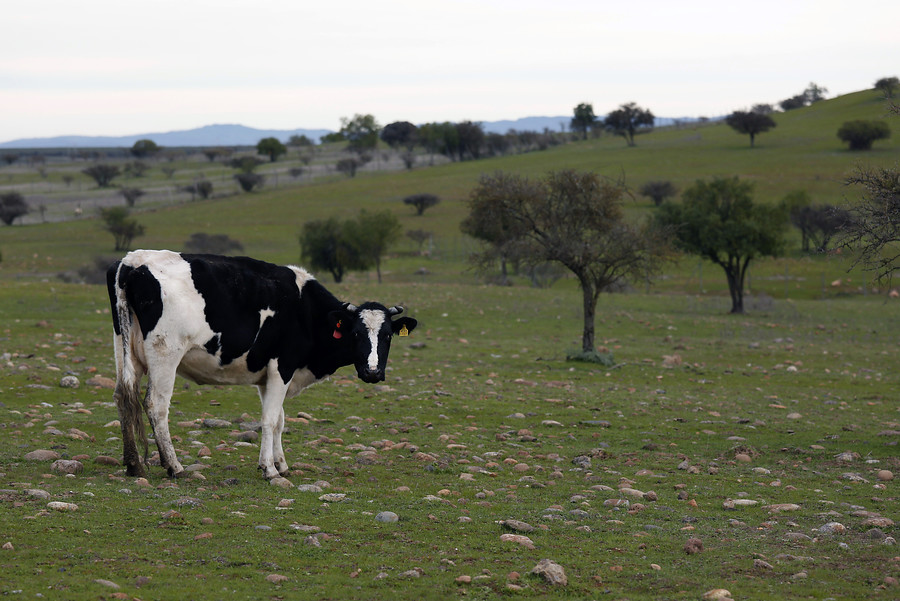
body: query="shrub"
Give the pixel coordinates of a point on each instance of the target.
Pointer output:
(861, 134)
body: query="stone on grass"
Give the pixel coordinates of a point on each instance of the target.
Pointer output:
(693, 546)
(60, 506)
(551, 571)
(388, 517)
(517, 525)
(107, 583)
(69, 382)
(517, 538)
(276, 578)
(67, 466)
(41, 455)
(716, 594)
(281, 482)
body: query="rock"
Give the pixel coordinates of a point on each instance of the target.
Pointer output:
(60, 506)
(779, 507)
(106, 460)
(463, 579)
(797, 537)
(885, 475)
(716, 594)
(281, 482)
(309, 488)
(764, 565)
(107, 583)
(333, 497)
(210, 422)
(742, 458)
(516, 525)
(832, 528)
(879, 522)
(69, 382)
(517, 538)
(551, 571)
(37, 493)
(67, 466)
(693, 546)
(276, 578)
(101, 382)
(41, 455)
(8, 546)
(387, 517)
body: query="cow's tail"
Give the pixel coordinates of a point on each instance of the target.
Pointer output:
(127, 394)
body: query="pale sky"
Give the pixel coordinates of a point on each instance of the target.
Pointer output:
(120, 67)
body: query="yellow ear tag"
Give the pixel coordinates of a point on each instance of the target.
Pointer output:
(404, 331)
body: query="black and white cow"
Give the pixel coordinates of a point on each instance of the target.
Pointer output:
(231, 320)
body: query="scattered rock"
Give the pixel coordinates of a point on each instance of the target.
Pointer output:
(60, 506)
(517, 525)
(760, 564)
(551, 571)
(716, 594)
(517, 538)
(107, 583)
(309, 488)
(693, 546)
(210, 422)
(41, 455)
(69, 382)
(8, 546)
(67, 466)
(281, 482)
(37, 493)
(106, 460)
(463, 579)
(779, 507)
(387, 517)
(276, 578)
(333, 497)
(832, 528)
(885, 475)
(101, 382)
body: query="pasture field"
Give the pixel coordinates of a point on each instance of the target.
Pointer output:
(791, 411)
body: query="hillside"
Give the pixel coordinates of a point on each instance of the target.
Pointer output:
(802, 152)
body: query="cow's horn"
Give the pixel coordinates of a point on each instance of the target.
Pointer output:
(350, 307)
(395, 310)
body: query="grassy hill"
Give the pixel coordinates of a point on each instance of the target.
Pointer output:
(802, 152)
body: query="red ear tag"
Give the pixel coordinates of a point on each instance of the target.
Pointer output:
(337, 334)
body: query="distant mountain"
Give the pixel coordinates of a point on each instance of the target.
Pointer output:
(240, 135)
(209, 135)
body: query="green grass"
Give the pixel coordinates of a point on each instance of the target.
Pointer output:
(490, 353)
(808, 374)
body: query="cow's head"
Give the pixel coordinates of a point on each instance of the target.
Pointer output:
(367, 332)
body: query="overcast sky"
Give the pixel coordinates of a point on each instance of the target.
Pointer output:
(118, 67)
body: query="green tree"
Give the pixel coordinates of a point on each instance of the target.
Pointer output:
(300, 141)
(325, 246)
(584, 119)
(400, 133)
(471, 140)
(719, 221)
(131, 195)
(123, 229)
(373, 233)
(12, 206)
(249, 181)
(750, 122)
(102, 173)
(887, 85)
(860, 134)
(361, 132)
(874, 227)
(658, 190)
(271, 147)
(421, 201)
(574, 219)
(628, 120)
(143, 149)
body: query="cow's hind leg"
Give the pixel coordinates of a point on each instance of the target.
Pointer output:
(272, 423)
(159, 395)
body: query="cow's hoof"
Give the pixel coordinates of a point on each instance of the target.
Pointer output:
(269, 472)
(177, 475)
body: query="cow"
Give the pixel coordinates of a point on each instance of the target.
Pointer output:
(231, 320)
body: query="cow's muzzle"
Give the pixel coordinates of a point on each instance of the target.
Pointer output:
(371, 376)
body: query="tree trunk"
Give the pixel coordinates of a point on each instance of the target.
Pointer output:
(589, 301)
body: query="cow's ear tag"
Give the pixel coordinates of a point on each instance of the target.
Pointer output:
(404, 331)
(337, 331)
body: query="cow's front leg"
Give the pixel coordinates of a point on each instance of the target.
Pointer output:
(272, 397)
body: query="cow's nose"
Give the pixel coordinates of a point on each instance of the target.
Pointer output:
(371, 375)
